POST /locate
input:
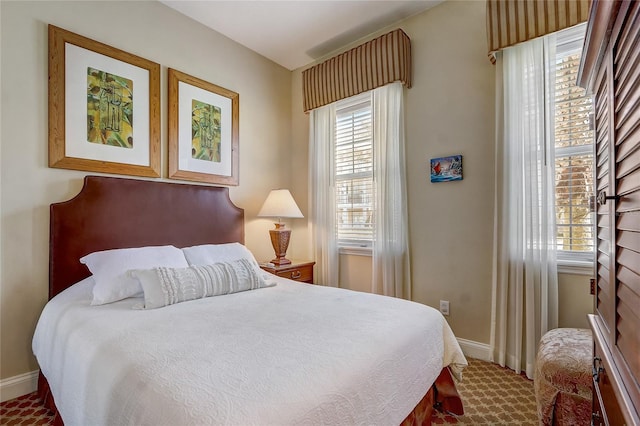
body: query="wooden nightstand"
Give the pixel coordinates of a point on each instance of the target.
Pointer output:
(297, 270)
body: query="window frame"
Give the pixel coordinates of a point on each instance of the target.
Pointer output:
(575, 262)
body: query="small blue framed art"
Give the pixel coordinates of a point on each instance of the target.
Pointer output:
(445, 169)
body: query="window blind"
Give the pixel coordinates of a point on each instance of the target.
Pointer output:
(354, 173)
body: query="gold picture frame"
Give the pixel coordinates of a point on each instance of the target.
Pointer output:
(203, 130)
(104, 107)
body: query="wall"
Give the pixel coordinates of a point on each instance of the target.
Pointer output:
(355, 272)
(449, 110)
(155, 32)
(574, 300)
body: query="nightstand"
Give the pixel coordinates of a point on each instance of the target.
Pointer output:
(297, 270)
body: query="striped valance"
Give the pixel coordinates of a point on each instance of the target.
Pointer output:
(514, 21)
(375, 63)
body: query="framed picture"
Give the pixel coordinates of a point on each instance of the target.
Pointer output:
(445, 169)
(203, 130)
(104, 107)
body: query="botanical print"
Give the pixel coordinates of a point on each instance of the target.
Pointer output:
(205, 131)
(446, 168)
(109, 109)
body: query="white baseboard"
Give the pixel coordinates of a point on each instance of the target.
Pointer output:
(476, 350)
(16, 386)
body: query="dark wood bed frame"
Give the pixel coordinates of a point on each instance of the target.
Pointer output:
(113, 213)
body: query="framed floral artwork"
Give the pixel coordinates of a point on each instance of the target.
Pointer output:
(104, 107)
(203, 130)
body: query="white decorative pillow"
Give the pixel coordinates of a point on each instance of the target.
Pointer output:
(165, 286)
(109, 269)
(208, 254)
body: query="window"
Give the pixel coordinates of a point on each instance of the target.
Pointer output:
(354, 172)
(573, 152)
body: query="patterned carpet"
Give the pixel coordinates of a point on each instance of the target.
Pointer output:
(26, 410)
(491, 396)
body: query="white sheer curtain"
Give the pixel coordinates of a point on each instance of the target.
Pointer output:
(525, 288)
(322, 191)
(391, 273)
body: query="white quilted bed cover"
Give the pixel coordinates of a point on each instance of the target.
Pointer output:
(290, 354)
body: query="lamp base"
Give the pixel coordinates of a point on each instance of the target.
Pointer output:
(281, 261)
(280, 242)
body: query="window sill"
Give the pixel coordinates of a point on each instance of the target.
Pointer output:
(355, 251)
(575, 267)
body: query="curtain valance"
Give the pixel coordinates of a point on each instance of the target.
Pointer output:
(513, 21)
(383, 60)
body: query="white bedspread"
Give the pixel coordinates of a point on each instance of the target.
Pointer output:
(290, 354)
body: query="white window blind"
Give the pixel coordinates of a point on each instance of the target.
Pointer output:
(354, 172)
(573, 152)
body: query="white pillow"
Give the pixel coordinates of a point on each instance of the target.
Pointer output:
(109, 269)
(208, 254)
(165, 286)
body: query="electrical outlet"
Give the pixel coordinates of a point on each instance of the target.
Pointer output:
(444, 307)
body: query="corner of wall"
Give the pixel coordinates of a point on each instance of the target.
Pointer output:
(475, 350)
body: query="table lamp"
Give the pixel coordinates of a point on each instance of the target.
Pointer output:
(280, 204)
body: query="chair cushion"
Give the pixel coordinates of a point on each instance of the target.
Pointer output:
(562, 378)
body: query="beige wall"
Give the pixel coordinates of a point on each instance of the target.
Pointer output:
(574, 300)
(355, 272)
(449, 110)
(28, 186)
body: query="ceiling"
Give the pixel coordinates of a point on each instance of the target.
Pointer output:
(296, 33)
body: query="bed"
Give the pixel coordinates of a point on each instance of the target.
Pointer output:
(283, 353)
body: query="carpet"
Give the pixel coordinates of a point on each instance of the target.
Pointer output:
(491, 395)
(25, 410)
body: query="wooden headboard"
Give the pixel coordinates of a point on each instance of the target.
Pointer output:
(113, 213)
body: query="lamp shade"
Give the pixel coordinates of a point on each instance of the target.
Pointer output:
(280, 203)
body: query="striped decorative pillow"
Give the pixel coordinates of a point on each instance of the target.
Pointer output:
(164, 286)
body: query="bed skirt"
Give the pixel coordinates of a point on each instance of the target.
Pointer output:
(442, 396)
(44, 393)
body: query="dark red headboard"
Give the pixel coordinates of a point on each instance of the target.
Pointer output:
(113, 213)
